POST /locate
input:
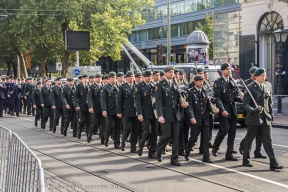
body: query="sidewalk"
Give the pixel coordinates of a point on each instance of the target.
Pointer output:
(280, 119)
(280, 122)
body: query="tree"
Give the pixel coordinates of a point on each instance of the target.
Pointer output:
(207, 28)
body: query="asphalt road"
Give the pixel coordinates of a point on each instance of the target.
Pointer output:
(73, 165)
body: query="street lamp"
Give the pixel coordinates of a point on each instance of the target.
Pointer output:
(280, 37)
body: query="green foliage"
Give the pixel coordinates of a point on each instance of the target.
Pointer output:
(207, 28)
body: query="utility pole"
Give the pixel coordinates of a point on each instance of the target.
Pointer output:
(168, 55)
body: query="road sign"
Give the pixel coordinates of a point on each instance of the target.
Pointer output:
(58, 66)
(76, 72)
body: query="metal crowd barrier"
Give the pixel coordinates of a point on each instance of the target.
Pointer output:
(23, 171)
(284, 105)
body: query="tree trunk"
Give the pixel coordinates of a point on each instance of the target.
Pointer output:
(64, 27)
(23, 68)
(43, 59)
(8, 67)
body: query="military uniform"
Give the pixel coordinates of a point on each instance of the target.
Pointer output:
(144, 107)
(28, 93)
(69, 115)
(56, 101)
(23, 101)
(47, 109)
(263, 98)
(108, 104)
(200, 110)
(7, 100)
(15, 96)
(94, 102)
(2, 97)
(37, 100)
(167, 106)
(126, 107)
(225, 96)
(80, 96)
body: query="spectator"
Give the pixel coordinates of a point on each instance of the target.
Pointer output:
(237, 69)
(277, 73)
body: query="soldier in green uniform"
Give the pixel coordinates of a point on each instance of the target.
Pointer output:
(57, 105)
(161, 75)
(259, 118)
(37, 100)
(47, 109)
(226, 95)
(138, 77)
(199, 71)
(94, 107)
(199, 113)
(168, 101)
(145, 113)
(69, 113)
(108, 104)
(120, 79)
(257, 152)
(127, 111)
(80, 105)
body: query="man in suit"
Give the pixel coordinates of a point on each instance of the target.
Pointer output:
(225, 95)
(46, 105)
(94, 107)
(168, 101)
(199, 113)
(108, 104)
(259, 118)
(80, 105)
(69, 113)
(127, 111)
(57, 105)
(37, 101)
(145, 113)
(257, 152)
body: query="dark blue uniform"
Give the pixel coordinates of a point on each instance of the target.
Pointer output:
(2, 96)
(7, 100)
(15, 95)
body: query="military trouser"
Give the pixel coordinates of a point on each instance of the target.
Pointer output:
(266, 134)
(96, 119)
(58, 112)
(113, 123)
(130, 125)
(24, 108)
(181, 136)
(38, 115)
(227, 126)
(29, 105)
(70, 116)
(170, 130)
(258, 143)
(47, 113)
(84, 118)
(211, 126)
(195, 131)
(150, 129)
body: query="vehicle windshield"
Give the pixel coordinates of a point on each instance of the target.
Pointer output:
(213, 75)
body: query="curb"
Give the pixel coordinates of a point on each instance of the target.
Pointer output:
(275, 125)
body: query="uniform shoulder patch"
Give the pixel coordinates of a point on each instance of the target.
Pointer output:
(215, 85)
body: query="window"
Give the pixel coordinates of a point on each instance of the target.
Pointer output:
(219, 2)
(174, 30)
(191, 6)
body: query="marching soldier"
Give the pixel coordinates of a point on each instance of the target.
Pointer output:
(199, 71)
(108, 104)
(37, 101)
(46, 105)
(7, 99)
(127, 111)
(23, 84)
(57, 105)
(14, 93)
(2, 97)
(259, 118)
(120, 79)
(225, 95)
(69, 113)
(28, 95)
(138, 77)
(257, 152)
(199, 113)
(167, 106)
(145, 112)
(161, 75)
(94, 107)
(80, 105)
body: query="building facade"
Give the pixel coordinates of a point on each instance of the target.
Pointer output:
(260, 18)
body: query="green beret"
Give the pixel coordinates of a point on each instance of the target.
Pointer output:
(147, 73)
(91, 76)
(120, 74)
(176, 70)
(105, 76)
(161, 73)
(111, 74)
(155, 72)
(224, 66)
(58, 78)
(181, 72)
(38, 82)
(69, 79)
(138, 74)
(53, 83)
(129, 73)
(252, 70)
(80, 77)
(168, 68)
(98, 75)
(84, 76)
(199, 70)
(259, 71)
(198, 77)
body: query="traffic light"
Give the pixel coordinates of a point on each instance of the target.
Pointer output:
(160, 52)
